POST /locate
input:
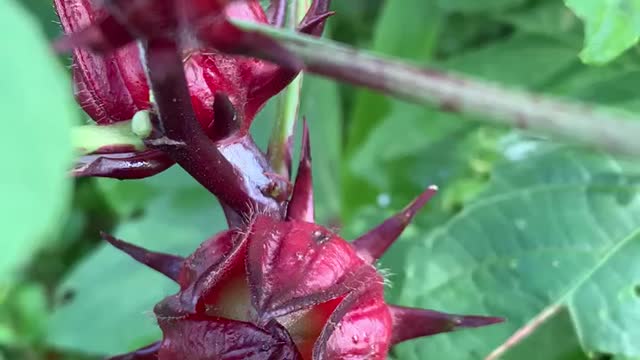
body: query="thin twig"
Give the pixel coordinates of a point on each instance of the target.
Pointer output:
(524, 332)
(610, 130)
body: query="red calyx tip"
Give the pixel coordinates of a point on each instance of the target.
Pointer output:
(301, 204)
(166, 264)
(372, 245)
(410, 323)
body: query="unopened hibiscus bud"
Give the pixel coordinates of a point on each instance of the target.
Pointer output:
(111, 84)
(287, 289)
(109, 88)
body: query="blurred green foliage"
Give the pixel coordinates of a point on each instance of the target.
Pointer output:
(611, 27)
(521, 223)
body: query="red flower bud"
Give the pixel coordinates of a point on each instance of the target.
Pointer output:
(111, 86)
(287, 289)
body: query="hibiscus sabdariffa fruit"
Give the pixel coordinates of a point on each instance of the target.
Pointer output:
(276, 285)
(287, 288)
(109, 77)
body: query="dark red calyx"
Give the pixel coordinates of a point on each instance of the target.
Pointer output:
(123, 166)
(294, 287)
(112, 86)
(291, 285)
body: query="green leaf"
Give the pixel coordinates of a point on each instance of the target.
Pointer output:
(561, 228)
(107, 301)
(554, 339)
(35, 149)
(320, 104)
(609, 85)
(611, 27)
(413, 147)
(547, 17)
(126, 198)
(23, 316)
(408, 29)
(478, 6)
(513, 60)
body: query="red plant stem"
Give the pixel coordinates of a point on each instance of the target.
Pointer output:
(186, 142)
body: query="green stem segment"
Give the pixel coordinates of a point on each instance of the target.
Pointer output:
(607, 129)
(288, 105)
(124, 136)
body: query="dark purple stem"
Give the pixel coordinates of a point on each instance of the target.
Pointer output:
(131, 165)
(186, 142)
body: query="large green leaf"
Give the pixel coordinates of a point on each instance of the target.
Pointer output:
(414, 146)
(479, 6)
(559, 228)
(554, 338)
(611, 27)
(407, 29)
(320, 104)
(35, 151)
(545, 17)
(610, 85)
(106, 302)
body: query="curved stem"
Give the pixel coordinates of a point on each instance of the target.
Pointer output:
(615, 132)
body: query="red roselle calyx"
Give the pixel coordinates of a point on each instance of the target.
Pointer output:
(276, 285)
(111, 85)
(287, 289)
(110, 80)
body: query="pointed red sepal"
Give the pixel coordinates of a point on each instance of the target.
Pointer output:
(135, 165)
(372, 245)
(166, 264)
(198, 337)
(301, 204)
(276, 12)
(226, 118)
(149, 352)
(314, 21)
(315, 25)
(410, 323)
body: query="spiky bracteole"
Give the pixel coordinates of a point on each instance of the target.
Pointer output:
(301, 205)
(288, 289)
